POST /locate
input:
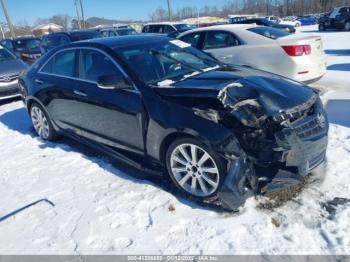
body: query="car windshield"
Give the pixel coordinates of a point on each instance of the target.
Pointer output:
(184, 27)
(126, 32)
(5, 55)
(166, 62)
(80, 36)
(269, 32)
(27, 44)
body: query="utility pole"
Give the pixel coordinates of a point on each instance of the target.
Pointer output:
(82, 13)
(78, 16)
(4, 8)
(2, 31)
(169, 10)
(267, 7)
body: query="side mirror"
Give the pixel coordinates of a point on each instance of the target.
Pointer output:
(113, 82)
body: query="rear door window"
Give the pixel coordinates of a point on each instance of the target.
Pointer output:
(157, 29)
(215, 39)
(57, 40)
(167, 29)
(62, 64)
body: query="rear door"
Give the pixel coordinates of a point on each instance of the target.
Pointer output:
(57, 79)
(112, 117)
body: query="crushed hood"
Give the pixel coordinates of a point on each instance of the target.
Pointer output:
(273, 92)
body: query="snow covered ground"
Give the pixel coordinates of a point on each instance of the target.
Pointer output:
(101, 208)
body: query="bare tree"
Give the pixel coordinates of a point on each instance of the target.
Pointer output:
(62, 20)
(261, 7)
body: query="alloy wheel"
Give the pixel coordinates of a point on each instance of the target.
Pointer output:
(194, 170)
(40, 122)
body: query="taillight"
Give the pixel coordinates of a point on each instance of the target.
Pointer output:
(297, 50)
(307, 49)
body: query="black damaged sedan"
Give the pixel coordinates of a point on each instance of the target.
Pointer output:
(219, 131)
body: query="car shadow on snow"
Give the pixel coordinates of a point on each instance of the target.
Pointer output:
(337, 112)
(339, 67)
(338, 52)
(323, 32)
(19, 121)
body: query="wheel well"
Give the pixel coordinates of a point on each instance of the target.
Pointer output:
(168, 140)
(29, 104)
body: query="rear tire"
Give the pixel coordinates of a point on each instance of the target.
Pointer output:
(42, 123)
(347, 26)
(196, 170)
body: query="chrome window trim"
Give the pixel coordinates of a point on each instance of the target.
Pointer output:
(85, 80)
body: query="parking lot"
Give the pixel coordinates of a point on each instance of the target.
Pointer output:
(92, 205)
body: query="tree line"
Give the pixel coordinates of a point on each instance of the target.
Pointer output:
(262, 7)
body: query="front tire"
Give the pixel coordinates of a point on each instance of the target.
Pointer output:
(41, 122)
(196, 170)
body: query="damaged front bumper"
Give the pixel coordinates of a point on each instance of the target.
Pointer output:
(301, 146)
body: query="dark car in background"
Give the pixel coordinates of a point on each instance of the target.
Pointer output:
(165, 107)
(111, 32)
(201, 25)
(11, 67)
(338, 18)
(265, 22)
(26, 48)
(167, 29)
(53, 40)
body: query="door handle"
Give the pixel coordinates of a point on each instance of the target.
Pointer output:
(38, 81)
(79, 93)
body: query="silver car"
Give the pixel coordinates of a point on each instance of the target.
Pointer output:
(10, 69)
(295, 56)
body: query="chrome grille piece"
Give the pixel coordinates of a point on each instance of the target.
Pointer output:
(8, 78)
